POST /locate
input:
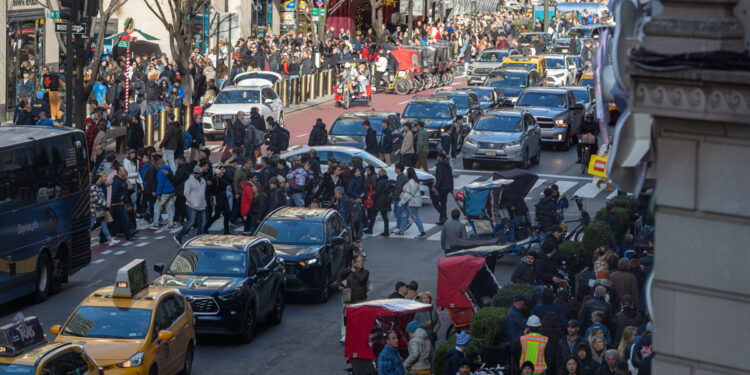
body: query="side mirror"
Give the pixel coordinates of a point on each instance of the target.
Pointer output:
(159, 268)
(55, 329)
(268, 101)
(262, 272)
(164, 335)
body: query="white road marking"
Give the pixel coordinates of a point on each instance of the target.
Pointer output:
(142, 244)
(127, 243)
(538, 183)
(455, 83)
(463, 180)
(94, 239)
(302, 135)
(614, 194)
(404, 102)
(589, 190)
(175, 230)
(564, 186)
(435, 237)
(106, 252)
(159, 237)
(120, 252)
(98, 261)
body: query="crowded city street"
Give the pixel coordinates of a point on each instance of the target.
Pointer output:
(369, 187)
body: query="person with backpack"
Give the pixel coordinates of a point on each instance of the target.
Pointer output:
(250, 141)
(318, 134)
(196, 135)
(546, 211)
(238, 132)
(278, 137)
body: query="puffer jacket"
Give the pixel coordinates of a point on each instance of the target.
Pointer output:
(356, 281)
(420, 351)
(411, 195)
(545, 213)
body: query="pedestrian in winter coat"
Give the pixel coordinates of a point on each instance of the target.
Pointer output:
(422, 146)
(546, 211)
(23, 116)
(524, 273)
(386, 143)
(194, 191)
(276, 197)
(172, 141)
(515, 322)
(453, 230)
(598, 303)
(547, 305)
(318, 134)
(625, 282)
(382, 202)
(588, 365)
(259, 207)
(420, 349)
(246, 203)
(443, 186)
(356, 278)
(429, 320)
(371, 138)
(627, 316)
(407, 146)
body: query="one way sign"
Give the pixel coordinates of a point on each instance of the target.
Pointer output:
(63, 27)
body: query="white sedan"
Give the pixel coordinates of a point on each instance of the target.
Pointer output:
(345, 154)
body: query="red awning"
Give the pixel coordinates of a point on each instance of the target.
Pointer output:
(454, 276)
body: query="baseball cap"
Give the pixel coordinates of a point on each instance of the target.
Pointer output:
(197, 170)
(400, 284)
(573, 323)
(518, 298)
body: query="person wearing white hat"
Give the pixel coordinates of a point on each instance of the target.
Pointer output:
(532, 345)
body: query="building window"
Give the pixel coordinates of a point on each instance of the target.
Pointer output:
(25, 53)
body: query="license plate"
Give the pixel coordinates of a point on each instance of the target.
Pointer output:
(490, 153)
(565, 50)
(402, 74)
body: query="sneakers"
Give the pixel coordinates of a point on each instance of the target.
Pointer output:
(178, 240)
(442, 221)
(385, 234)
(113, 242)
(398, 233)
(421, 235)
(171, 226)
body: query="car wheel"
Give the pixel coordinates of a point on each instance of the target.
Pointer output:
(248, 329)
(535, 160)
(43, 278)
(566, 145)
(346, 100)
(325, 289)
(468, 164)
(278, 309)
(525, 160)
(187, 367)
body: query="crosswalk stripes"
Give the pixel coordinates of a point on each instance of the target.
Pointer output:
(563, 186)
(589, 190)
(538, 183)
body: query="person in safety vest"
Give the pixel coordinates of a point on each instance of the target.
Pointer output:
(532, 344)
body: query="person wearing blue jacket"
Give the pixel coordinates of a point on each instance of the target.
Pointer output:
(165, 195)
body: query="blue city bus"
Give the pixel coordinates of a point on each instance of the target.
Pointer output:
(44, 209)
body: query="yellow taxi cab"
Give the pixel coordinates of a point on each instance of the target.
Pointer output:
(24, 350)
(538, 63)
(587, 79)
(133, 327)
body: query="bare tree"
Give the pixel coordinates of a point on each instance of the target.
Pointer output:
(178, 21)
(376, 13)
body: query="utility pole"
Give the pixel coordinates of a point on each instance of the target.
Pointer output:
(69, 68)
(411, 34)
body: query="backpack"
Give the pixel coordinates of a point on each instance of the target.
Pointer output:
(188, 140)
(260, 138)
(284, 144)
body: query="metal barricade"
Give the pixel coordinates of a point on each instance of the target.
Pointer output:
(284, 92)
(150, 130)
(295, 90)
(329, 82)
(187, 116)
(321, 83)
(303, 88)
(162, 124)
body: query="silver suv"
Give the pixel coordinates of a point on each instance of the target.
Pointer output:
(487, 61)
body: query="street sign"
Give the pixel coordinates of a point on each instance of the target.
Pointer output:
(315, 18)
(123, 44)
(54, 14)
(129, 25)
(77, 29)
(315, 13)
(320, 3)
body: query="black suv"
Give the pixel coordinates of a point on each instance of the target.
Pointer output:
(314, 244)
(467, 105)
(229, 281)
(435, 113)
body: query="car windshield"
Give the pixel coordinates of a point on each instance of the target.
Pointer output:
(542, 99)
(503, 80)
(353, 126)
(582, 96)
(485, 95)
(427, 110)
(288, 231)
(238, 97)
(460, 101)
(108, 322)
(555, 64)
(494, 56)
(209, 262)
(529, 66)
(10, 369)
(509, 124)
(588, 82)
(371, 159)
(259, 75)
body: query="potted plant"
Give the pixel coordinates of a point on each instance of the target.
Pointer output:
(574, 252)
(438, 358)
(488, 327)
(597, 234)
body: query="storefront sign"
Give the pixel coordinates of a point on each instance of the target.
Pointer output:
(14, 4)
(287, 18)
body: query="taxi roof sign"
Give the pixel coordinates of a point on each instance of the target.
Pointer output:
(21, 336)
(130, 279)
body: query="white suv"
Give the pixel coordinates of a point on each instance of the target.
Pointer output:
(561, 70)
(258, 93)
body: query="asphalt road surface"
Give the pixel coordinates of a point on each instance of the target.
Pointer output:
(307, 341)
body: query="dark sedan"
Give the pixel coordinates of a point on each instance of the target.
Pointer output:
(314, 243)
(489, 97)
(347, 130)
(230, 282)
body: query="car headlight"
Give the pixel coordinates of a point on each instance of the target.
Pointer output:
(561, 123)
(471, 142)
(134, 361)
(232, 294)
(309, 262)
(471, 68)
(513, 144)
(207, 114)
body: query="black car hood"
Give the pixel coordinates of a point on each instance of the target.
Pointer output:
(511, 91)
(291, 251)
(199, 283)
(544, 111)
(429, 123)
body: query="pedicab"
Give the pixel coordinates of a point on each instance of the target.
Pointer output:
(347, 90)
(402, 82)
(490, 253)
(366, 326)
(465, 284)
(497, 208)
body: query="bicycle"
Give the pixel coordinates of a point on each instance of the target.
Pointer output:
(576, 233)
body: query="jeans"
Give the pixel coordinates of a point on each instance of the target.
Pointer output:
(298, 199)
(118, 213)
(104, 234)
(193, 217)
(169, 159)
(422, 161)
(441, 203)
(398, 212)
(154, 108)
(250, 152)
(168, 200)
(407, 211)
(134, 198)
(222, 209)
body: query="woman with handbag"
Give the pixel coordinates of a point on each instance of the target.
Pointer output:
(355, 290)
(370, 180)
(100, 211)
(411, 201)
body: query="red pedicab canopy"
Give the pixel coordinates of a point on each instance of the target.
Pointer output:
(360, 320)
(455, 274)
(407, 58)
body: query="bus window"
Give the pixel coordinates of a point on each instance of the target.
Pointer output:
(15, 179)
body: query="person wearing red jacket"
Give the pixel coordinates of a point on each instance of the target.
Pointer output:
(246, 203)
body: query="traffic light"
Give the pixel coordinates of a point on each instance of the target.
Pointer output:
(70, 9)
(92, 8)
